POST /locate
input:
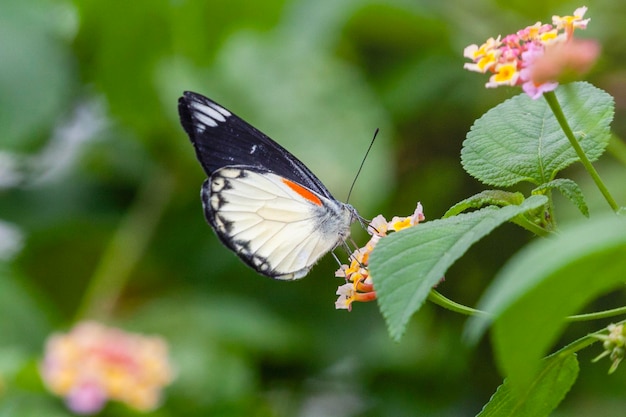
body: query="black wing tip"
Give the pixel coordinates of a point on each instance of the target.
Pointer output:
(186, 99)
(187, 95)
(184, 113)
(184, 105)
(190, 96)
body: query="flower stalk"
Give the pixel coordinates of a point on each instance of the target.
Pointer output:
(437, 298)
(555, 106)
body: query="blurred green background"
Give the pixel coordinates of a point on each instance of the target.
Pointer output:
(101, 218)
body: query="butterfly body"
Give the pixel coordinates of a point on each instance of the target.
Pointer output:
(261, 201)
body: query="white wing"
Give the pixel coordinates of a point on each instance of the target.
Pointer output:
(276, 226)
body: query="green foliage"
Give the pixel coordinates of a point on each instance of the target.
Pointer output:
(521, 140)
(407, 264)
(569, 189)
(485, 198)
(532, 295)
(548, 389)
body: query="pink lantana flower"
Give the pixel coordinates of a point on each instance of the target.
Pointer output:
(358, 282)
(92, 364)
(530, 86)
(535, 57)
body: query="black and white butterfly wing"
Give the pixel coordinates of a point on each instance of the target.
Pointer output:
(223, 139)
(262, 202)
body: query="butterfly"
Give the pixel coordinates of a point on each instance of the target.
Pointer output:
(261, 201)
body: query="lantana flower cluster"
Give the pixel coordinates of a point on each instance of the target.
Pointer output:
(535, 56)
(359, 285)
(93, 363)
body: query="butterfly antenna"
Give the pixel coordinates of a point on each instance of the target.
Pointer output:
(362, 163)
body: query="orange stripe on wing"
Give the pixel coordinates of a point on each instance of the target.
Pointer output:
(303, 192)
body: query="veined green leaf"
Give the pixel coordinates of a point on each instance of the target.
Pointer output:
(407, 264)
(548, 389)
(547, 281)
(521, 140)
(484, 198)
(569, 189)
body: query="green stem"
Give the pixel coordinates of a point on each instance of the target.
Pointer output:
(126, 247)
(530, 226)
(583, 342)
(599, 315)
(573, 347)
(578, 344)
(551, 220)
(560, 117)
(443, 301)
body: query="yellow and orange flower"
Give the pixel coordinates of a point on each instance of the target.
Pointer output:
(359, 285)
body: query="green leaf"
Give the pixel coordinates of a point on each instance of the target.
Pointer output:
(486, 198)
(546, 392)
(407, 264)
(520, 139)
(547, 281)
(569, 189)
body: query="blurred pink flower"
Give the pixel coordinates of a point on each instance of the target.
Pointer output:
(565, 60)
(92, 364)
